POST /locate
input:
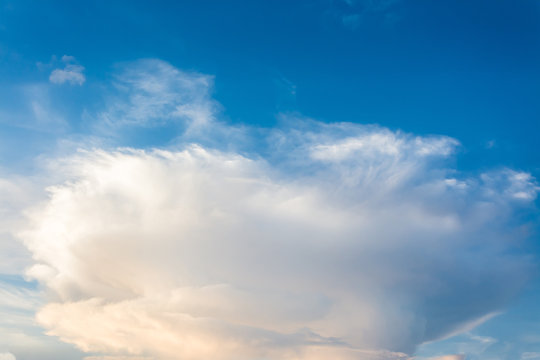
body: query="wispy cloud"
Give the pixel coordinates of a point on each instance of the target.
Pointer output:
(468, 345)
(151, 93)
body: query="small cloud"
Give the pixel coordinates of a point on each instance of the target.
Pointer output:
(72, 73)
(68, 58)
(516, 185)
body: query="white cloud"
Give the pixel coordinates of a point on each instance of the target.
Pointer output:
(68, 58)
(207, 254)
(383, 142)
(72, 73)
(517, 185)
(326, 241)
(19, 332)
(16, 193)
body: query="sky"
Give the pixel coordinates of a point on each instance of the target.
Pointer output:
(277, 180)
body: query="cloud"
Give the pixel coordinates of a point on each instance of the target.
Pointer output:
(72, 73)
(151, 92)
(7, 356)
(19, 332)
(469, 345)
(344, 241)
(516, 183)
(16, 193)
(382, 143)
(306, 241)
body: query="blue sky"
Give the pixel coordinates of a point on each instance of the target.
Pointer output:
(410, 127)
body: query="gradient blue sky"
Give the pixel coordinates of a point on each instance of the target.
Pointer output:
(467, 70)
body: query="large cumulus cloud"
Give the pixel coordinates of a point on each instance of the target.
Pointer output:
(330, 241)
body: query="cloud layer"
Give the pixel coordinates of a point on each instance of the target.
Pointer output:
(334, 241)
